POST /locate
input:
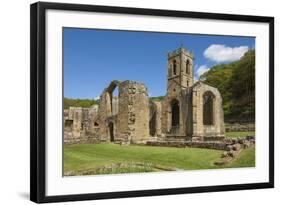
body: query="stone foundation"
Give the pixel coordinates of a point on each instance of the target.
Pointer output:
(227, 144)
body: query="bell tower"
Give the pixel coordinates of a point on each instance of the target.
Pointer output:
(180, 71)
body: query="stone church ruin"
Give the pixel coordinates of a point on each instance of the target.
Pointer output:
(190, 113)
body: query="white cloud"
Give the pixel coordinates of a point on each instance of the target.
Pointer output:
(97, 98)
(221, 53)
(201, 70)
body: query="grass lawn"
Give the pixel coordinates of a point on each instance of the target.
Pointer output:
(246, 159)
(89, 159)
(239, 134)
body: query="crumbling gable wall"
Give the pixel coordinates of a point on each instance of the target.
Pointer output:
(215, 127)
(193, 113)
(133, 116)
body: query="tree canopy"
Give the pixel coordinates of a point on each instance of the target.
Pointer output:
(70, 102)
(236, 82)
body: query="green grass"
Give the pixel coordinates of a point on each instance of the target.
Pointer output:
(239, 134)
(245, 159)
(89, 159)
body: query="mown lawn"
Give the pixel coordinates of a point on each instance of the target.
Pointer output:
(239, 134)
(87, 159)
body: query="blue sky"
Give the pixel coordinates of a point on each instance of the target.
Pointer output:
(93, 58)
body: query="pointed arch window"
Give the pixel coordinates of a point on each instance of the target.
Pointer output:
(208, 108)
(175, 107)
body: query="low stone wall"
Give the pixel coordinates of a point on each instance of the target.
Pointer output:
(213, 138)
(81, 140)
(227, 144)
(172, 138)
(197, 144)
(236, 127)
(89, 139)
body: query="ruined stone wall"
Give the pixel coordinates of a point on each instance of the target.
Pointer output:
(92, 124)
(133, 115)
(128, 113)
(79, 125)
(103, 114)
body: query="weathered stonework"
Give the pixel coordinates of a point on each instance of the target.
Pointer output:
(79, 126)
(189, 113)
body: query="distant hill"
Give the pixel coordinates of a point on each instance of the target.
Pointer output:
(70, 102)
(236, 82)
(158, 98)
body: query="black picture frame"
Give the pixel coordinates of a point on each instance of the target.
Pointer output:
(38, 101)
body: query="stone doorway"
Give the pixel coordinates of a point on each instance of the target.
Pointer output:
(111, 131)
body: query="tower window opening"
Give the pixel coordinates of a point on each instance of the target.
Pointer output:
(175, 67)
(187, 67)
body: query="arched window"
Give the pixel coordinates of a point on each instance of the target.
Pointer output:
(175, 113)
(208, 108)
(175, 67)
(187, 67)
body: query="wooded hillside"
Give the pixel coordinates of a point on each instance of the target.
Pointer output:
(70, 102)
(236, 82)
